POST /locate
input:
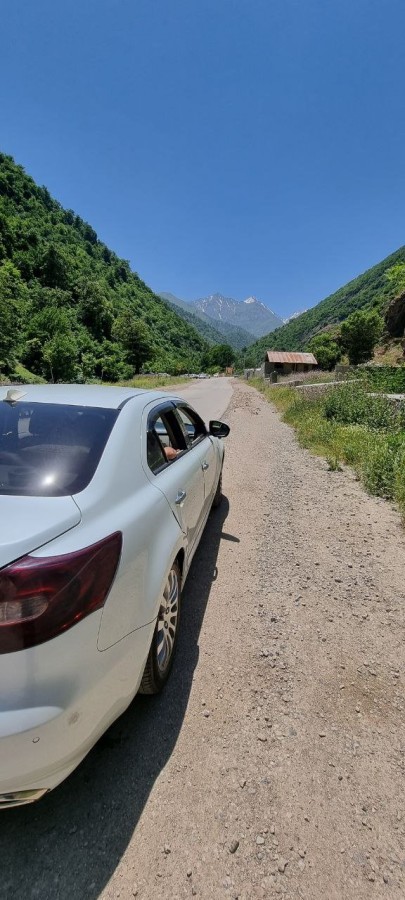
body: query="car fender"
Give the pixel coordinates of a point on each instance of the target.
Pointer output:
(147, 556)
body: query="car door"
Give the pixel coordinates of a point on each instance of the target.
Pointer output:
(196, 435)
(181, 478)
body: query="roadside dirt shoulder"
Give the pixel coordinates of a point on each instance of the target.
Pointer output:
(293, 743)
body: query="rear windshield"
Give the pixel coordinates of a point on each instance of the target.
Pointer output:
(50, 450)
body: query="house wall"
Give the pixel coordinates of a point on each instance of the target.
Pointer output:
(286, 368)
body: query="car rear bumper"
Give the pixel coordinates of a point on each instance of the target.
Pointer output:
(57, 699)
(19, 798)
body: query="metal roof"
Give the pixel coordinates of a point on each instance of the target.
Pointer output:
(276, 356)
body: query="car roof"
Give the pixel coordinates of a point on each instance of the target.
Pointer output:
(97, 395)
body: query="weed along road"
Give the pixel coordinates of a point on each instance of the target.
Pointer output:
(272, 765)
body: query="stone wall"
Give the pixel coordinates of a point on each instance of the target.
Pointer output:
(315, 390)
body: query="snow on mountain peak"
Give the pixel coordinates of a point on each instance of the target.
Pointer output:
(256, 301)
(251, 314)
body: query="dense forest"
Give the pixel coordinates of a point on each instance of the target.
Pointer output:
(70, 308)
(371, 291)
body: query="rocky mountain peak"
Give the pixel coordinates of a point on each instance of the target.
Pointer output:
(250, 314)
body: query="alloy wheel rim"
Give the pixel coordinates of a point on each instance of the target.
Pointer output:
(167, 621)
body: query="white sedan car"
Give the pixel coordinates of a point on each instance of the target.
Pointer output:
(104, 494)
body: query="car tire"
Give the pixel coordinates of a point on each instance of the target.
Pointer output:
(162, 648)
(218, 493)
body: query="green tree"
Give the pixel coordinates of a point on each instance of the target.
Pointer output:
(326, 350)
(219, 356)
(45, 298)
(95, 309)
(13, 302)
(111, 364)
(32, 355)
(395, 275)
(54, 268)
(60, 354)
(360, 333)
(135, 338)
(51, 347)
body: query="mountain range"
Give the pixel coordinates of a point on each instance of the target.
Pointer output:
(250, 314)
(238, 322)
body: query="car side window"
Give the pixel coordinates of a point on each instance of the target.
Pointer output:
(165, 439)
(193, 427)
(155, 452)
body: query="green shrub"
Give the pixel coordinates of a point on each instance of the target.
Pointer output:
(351, 404)
(390, 379)
(355, 442)
(399, 478)
(379, 468)
(334, 464)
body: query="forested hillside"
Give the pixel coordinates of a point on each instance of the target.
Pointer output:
(372, 290)
(70, 309)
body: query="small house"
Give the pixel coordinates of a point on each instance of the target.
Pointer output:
(281, 363)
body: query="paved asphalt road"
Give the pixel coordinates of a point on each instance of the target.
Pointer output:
(209, 396)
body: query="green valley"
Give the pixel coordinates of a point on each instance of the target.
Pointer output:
(70, 308)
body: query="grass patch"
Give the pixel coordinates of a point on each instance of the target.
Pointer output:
(154, 381)
(21, 375)
(151, 382)
(348, 426)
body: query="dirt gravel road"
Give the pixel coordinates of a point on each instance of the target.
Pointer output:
(273, 764)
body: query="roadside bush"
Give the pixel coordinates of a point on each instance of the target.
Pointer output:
(354, 442)
(379, 468)
(390, 379)
(399, 478)
(352, 405)
(300, 407)
(316, 432)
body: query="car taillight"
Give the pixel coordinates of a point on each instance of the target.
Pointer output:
(40, 597)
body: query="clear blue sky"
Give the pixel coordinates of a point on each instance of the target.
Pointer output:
(240, 146)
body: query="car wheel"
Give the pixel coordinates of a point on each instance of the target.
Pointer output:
(163, 644)
(218, 493)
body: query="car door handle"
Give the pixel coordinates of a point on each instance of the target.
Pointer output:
(180, 497)
(205, 466)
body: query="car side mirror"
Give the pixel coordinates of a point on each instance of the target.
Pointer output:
(219, 429)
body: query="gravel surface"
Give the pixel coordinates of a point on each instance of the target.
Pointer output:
(272, 765)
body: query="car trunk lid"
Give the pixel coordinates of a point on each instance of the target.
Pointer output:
(26, 523)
